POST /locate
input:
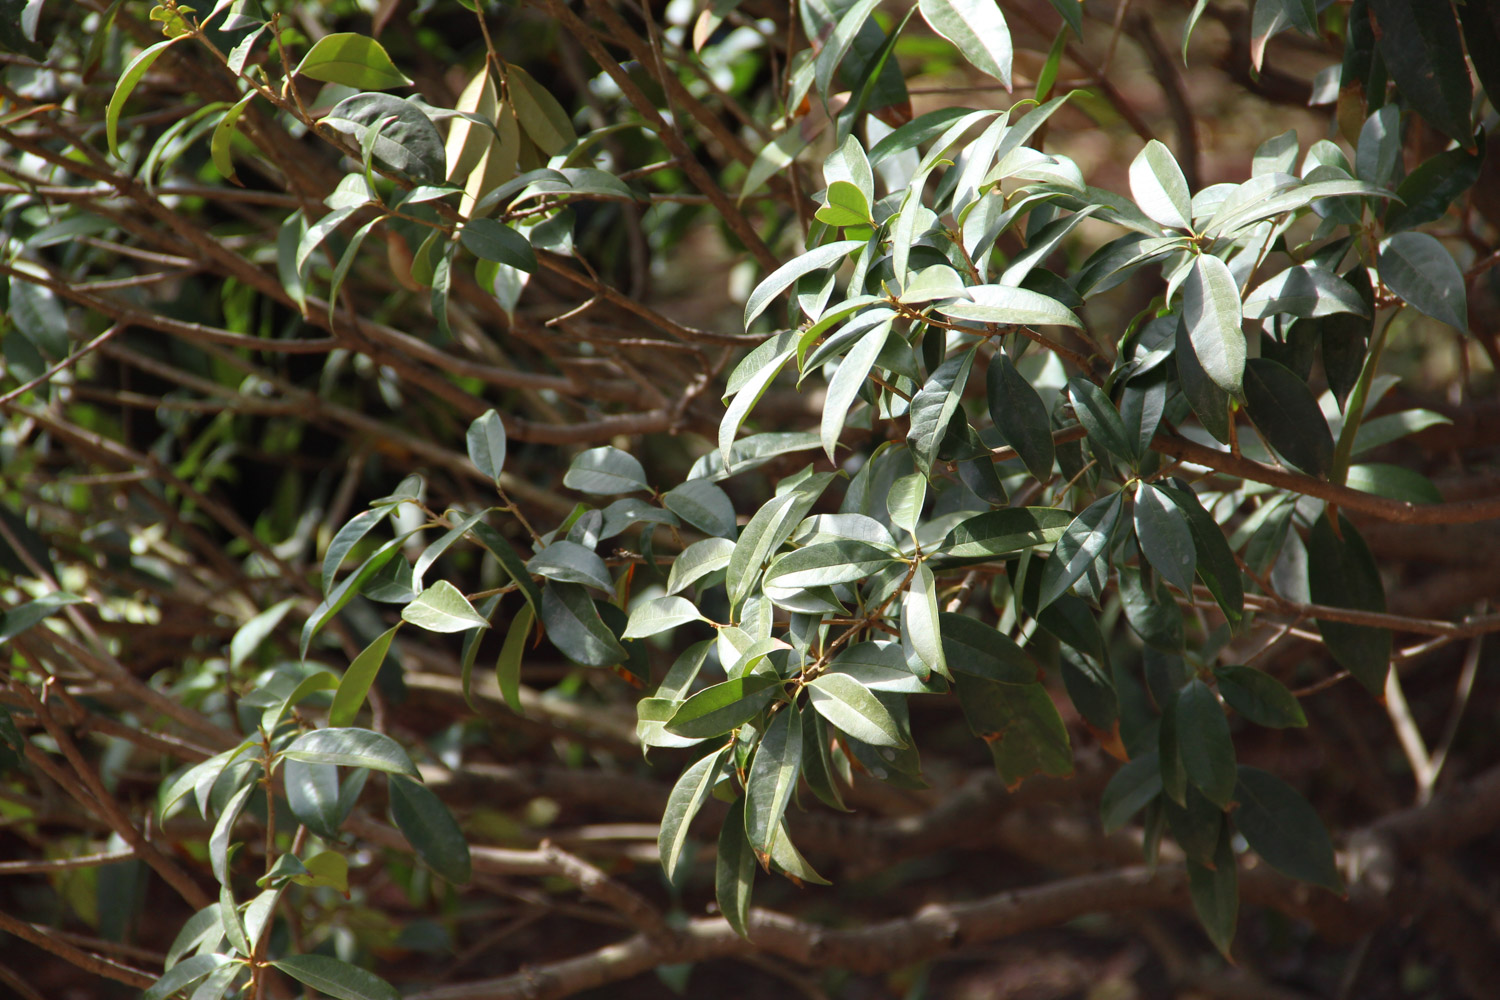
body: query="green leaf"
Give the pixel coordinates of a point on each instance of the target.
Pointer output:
(203, 931)
(1209, 402)
(827, 563)
(1165, 538)
(716, 710)
(574, 626)
(353, 60)
(1020, 416)
(846, 383)
(704, 506)
(1393, 481)
(1382, 430)
(249, 636)
(508, 663)
(851, 707)
(23, 616)
(904, 501)
(1417, 268)
(430, 829)
(850, 23)
(1204, 743)
(973, 647)
(687, 797)
(132, 75)
(660, 615)
(1284, 830)
(787, 274)
(442, 607)
(546, 122)
(1007, 305)
(184, 974)
(773, 778)
(920, 627)
(570, 562)
(407, 140)
(1211, 310)
(219, 840)
(1259, 697)
(346, 538)
(1342, 573)
(1159, 187)
(846, 206)
(734, 869)
(506, 555)
(352, 748)
(208, 770)
(1305, 290)
(486, 444)
(1100, 418)
(977, 29)
(1131, 789)
(1285, 412)
(881, 666)
(488, 239)
(358, 678)
(1021, 725)
(1216, 566)
(1423, 52)
(1085, 539)
(1216, 893)
(322, 680)
(697, 561)
(934, 407)
(983, 537)
(336, 978)
(312, 793)
(772, 525)
(606, 471)
(219, 145)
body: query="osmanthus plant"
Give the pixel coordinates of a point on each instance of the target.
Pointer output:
(997, 495)
(986, 495)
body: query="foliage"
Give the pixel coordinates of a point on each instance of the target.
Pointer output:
(342, 363)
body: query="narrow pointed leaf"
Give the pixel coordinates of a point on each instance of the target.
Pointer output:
(335, 978)
(1211, 310)
(1165, 537)
(1085, 539)
(352, 748)
(1159, 187)
(773, 778)
(1286, 831)
(430, 829)
(851, 707)
(687, 797)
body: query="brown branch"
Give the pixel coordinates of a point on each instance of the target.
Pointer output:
(86, 960)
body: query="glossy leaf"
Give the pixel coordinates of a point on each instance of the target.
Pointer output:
(934, 406)
(1285, 412)
(1165, 538)
(1283, 829)
(488, 239)
(1342, 573)
(1420, 42)
(1204, 743)
(847, 380)
(574, 626)
(312, 792)
(1216, 894)
(405, 139)
(660, 615)
(1085, 539)
(973, 647)
(1159, 187)
(1211, 310)
(184, 974)
(716, 710)
(1259, 697)
(545, 121)
(1100, 418)
(443, 608)
(787, 274)
(1416, 267)
(1129, 791)
(430, 829)
(986, 536)
(134, 71)
(772, 778)
(570, 562)
(1020, 416)
(353, 60)
(704, 506)
(920, 625)
(336, 978)
(352, 748)
(355, 684)
(734, 870)
(687, 797)
(1208, 400)
(1305, 290)
(486, 442)
(978, 29)
(508, 662)
(607, 471)
(827, 563)
(697, 561)
(1006, 305)
(850, 706)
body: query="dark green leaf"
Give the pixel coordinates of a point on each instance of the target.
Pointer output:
(574, 626)
(510, 562)
(1128, 792)
(182, 975)
(1165, 537)
(1305, 290)
(1203, 741)
(1342, 573)
(1216, 893)
(571, 563)
(1020, 416)
(1441, 180)
(336, 978)
(734, 870)
(826, 563)
(973, 647)
(851, 707)
(430, 829)
(984, 537)
(1417, 267)
(716, 710)
(1092, 691)
(358, 678)
(1100, 418)
(1155, 617)
(352, 748)
(1216, 565)
(488, 239)
(704, 506)
(1085, 539)
(687, 797)
(1259, 697)
(1020, 724)
(23, 616)
(407, 142)
(1285, 412)
(1209, 402)
(312, 792)
(1393, 481)
(773, 778)
(1282, 828)
(1421, 45)
(606, 471)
